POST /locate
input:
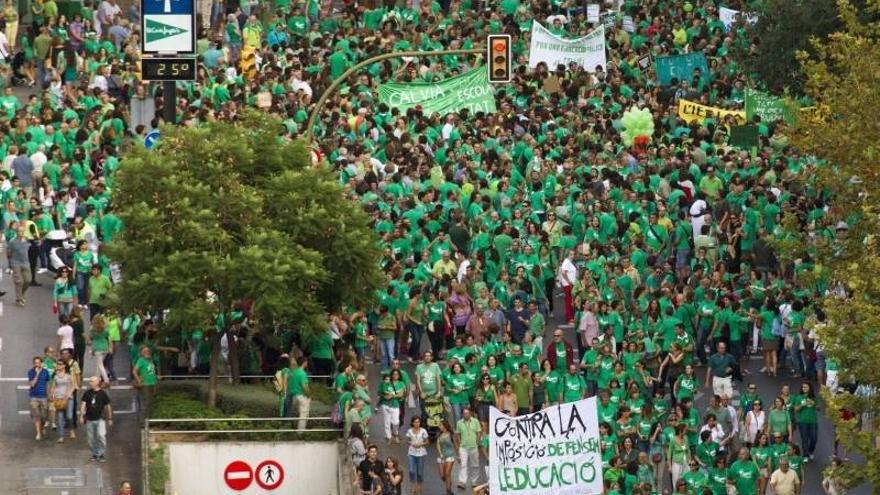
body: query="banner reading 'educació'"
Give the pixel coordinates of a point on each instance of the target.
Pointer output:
(587, 52)
(680, 67)
(470, 90)
(556, 451)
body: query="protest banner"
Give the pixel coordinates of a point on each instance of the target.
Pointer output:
(593, 12)
(769, 107)
(691, 111)
(744, 136)
(728, 17)
(556, 451)
(680, 67)
(609, 19)
(588, 51)
(629, 25)
(470, 90)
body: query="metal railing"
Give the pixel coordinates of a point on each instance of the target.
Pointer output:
(163, 431)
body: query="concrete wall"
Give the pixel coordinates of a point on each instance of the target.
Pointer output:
(310, 468)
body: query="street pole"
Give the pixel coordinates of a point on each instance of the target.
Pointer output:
(319, 106)
(169, 102)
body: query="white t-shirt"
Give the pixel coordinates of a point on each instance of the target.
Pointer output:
(66, 334)
(420, 438)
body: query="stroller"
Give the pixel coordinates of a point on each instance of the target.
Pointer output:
(433, 413)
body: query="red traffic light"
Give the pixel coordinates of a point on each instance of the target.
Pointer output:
(499, 58)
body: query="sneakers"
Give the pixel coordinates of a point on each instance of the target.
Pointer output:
(102, 459)
(42, 270)
(93, 459)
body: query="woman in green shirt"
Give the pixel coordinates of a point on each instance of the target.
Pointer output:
(552, 380)
(779, 420)
(391, 393)
(83, 259)
(678, 453)
(100, 341)
(804, 405)
(64, 291)
(762, 454)
(456, 388)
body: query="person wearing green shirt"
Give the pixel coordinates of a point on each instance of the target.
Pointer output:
(145, 380)
(696, 478)
(574, 388)
(99, 339)
(83, 259)
(779, 421)
(718, 476)
(99, 286)
(391, 395)
(804, 405)
(744, 474)
(296, 391)
(456, 389)
(468, 431)
(522, 386)
(387, 329)
(428, 377)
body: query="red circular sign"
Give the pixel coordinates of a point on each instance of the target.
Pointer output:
(269, 475)
(238, 475)
(500, 47)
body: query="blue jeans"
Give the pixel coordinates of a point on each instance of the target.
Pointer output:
(96, 432)
(458, 410)
(82, 287)
(416, 332)
(416, 468)
(809, 437)
(62, 417)
(388, 352)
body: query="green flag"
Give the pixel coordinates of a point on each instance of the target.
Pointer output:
(769, 107)
(470, 90)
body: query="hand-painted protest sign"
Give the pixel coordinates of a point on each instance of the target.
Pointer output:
(691, 111)
(593, 12)
(744, 136)
(588, 51)
(680, 67)
(729, 17)
(769, 107)
(470, 90)
(556, 451)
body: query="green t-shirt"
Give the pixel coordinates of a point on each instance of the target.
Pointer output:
(745, 476)
(805, 408)
(147, 371)
(100, 341)
(297, 382)
(457, 389)
(469, 431)
(428, 377)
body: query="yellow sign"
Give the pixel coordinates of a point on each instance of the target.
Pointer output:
(691, 111)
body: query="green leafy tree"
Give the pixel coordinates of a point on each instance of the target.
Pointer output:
(226, 212)
(785, 27)
(842, 74)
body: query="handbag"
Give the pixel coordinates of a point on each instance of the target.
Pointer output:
(60, 404)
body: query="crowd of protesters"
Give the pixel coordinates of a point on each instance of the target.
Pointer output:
(499, 231)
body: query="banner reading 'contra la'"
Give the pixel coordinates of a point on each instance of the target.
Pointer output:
(470, 90)
(556, 451)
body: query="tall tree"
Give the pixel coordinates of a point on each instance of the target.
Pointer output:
(783, 28)
(223, 213)
(842, 75)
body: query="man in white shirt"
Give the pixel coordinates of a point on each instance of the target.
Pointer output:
(566, 276)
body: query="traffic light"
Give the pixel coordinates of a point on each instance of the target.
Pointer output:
(500, 63)
(248, 62)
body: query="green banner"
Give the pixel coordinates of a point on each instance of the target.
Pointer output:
(680, 67)
(769, 108)
(470, 90)
(744, 136)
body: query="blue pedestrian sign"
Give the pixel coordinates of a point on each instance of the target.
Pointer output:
(151, 139)
(168, 26)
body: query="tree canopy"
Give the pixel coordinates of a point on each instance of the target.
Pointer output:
(224, 213)
(842, 77)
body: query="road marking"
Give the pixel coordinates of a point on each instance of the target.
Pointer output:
(112, 387)
(17, 379)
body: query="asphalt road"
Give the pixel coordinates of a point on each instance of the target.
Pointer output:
(24, 332)
(767, 387)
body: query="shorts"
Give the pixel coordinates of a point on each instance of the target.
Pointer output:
(39, 409)
(441, 460)
(682, 256)
(770, 345)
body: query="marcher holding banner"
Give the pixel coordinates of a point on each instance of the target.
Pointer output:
(555, 451)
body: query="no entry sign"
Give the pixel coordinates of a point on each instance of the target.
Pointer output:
(269, 474)
(238, 475)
